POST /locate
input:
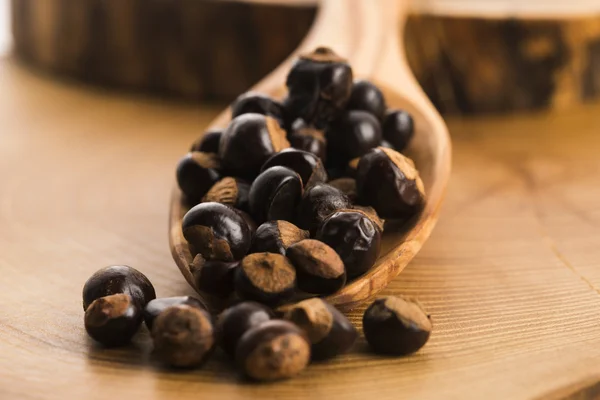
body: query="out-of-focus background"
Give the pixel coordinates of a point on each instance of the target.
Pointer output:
(5, 38)
(471, 57)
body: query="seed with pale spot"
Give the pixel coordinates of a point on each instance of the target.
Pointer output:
(329, 331)
(319, 268)
(113, 320)
(272, 351)
(390, 183)
(396, 325)
(265, 277)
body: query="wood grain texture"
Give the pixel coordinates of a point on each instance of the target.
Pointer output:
(510, 275)
(474, 65)
(508, 8)
(470, 56)
(376, 54)
(193, 49)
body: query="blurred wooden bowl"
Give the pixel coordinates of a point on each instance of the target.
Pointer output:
(474, 56)
(470, 56)
(195, 49)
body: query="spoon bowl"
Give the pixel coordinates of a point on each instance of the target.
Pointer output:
(368, 34)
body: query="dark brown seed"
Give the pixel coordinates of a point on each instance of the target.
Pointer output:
(209, 142)
(249, 220)
(157, 306)
(328, 330)
(276, 237)
(213, 276)
(319, 269)
(311, 140)
(273, 350)
(336, 170)
(248, 142)
(275, 194)
(319, 86)
(265, 277)
(366, 96)
(183, 336)
(346, 186)
(113, 320)
(351, 167)
(396, 325)
(233, 192)
(217, 232)
(258, 103)
(398, 128)
(196, 173)
(371, 214)
(355, 238)
(307, 165)
(237, 320)
(353, 134)
(390, 183)
(318, 202)
(118, 279)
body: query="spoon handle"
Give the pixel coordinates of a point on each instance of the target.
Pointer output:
(366, 32)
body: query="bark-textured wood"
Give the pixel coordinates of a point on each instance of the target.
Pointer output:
(510, 275)
(478, 61)
(195, 49)
(375, 52)
(476, 65)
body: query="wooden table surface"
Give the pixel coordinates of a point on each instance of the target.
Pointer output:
(510, 274)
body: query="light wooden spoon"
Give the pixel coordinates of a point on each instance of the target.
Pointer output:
(368, 33)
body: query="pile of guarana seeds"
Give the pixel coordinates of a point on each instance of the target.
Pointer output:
(288, 203)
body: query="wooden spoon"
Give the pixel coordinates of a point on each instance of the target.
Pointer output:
(368, 34)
